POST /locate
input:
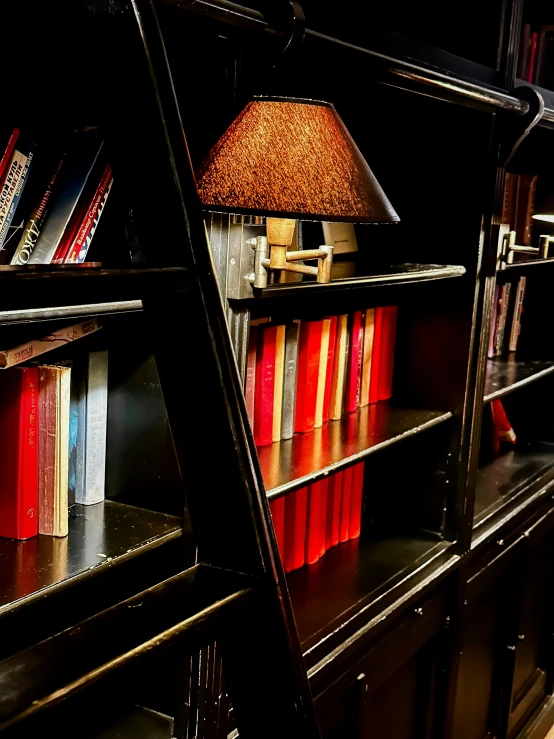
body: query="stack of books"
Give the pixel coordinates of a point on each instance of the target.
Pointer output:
(305, 373)
(50, 206)
(309, 521)
(506, 317)
(54, 420)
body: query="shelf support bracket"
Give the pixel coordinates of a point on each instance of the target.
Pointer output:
(517, 128)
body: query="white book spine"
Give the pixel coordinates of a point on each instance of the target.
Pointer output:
(96, 426)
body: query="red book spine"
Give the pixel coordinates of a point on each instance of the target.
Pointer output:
(532, 56)
(386, 355)
(28, 445)
(307, 375)
(277, 508)
(330, 362)
(344, 526)
(250, 381)
(324, 494)
(501, 423)
(263, 392)
(334, 501)
(313, 524)
(89, 216)
(295, 529)
(69, 234)
(353, 377)
(356, 499)
(375, 358)
(8, 152)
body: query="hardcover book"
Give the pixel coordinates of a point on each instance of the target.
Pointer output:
(516, 319)
(19, 465)
(53, 454)
(356, 500)
(277, 507)
(334, 504)
(309, 348)
(313, 524)
(278, 383)
(264, 390)
(386, 355)
(8, 152)
(295, 529)
(12, 189)
(367, 353)
(376, 356)
(323, 495)
(250, 379)
(289, 379)
(354, 367)
(330, 365)
(339, 369)
(346, 500)
(322, 376)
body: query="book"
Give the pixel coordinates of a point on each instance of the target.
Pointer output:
(36, 220)
(540, 56)
(295, 529)
(334, 503)
(32, 349)
(494, 314)
(12, 188)
(330, 363)
(80, 163)
(341, 236)
(309, 347)
(532, 56)
(356, 501)
(313, 524)
(524, 208)
(339, 369)
(53, 450)
(367, 353)
(376, 356)
(278, 382)
(322, 375)
(264, 390)
(8, 152)
(346, 499)
(386, 354)
(354, 366)
(289, 379)
(19, 465)
(323, 495)
(92, 429)
(503, 305)
(516, 319)
(277, 507)
(502, 425)
(250, 379)
(509, 199)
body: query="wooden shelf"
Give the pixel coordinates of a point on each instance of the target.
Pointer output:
(99, 536)
(327, 594)
(522, 266)
(506, 375)
(291, 464)
(513, 475)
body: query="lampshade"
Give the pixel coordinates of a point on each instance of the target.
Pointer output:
(291, 158)
(546, 213)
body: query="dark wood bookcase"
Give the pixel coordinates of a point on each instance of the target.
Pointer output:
(436, 623)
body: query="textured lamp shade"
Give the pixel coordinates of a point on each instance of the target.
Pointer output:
(291, 158)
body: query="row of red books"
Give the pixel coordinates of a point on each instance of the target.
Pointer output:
(305, 373)
(51, 203)
(315, 518)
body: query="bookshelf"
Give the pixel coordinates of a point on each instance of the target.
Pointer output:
(442, 605)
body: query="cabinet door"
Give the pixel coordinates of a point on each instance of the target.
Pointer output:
(530, 683)
(486, 659)
(391, 691)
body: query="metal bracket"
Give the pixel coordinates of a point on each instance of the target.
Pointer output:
(517, 128)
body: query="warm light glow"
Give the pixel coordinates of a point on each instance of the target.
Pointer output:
(543, 217)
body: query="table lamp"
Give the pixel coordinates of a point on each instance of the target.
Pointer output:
(288, 159)
(545, 214)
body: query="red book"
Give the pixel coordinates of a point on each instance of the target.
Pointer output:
(344, 525)
(250, 381)
(532, 56)
(323, 494)
(356, 499)
(386, 354)
(501, 422)
(307, 375)
(354, 366)
(19, 463)
(295, 529)
(277, 508)
(375, 357)
(69, 233)
(8, 152)
(330, 362)
(91, 213)
(334, 501)
(313, 524)
(263, 392)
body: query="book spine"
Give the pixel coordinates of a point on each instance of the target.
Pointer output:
(322, 374)
(34, 225)
(356, 501)
(528, 221)
(346, 499)
(367, 353)
(323, 495)
(339, 369)
(265, 380)
(278, 383)
(277, 508)
(386, 357)
(330, 364)
(308, 373)
(501, 423)
(28, 154)
(494, 318)
(508, 201)
(46, 455)
(32, 349)
(295, 529)
(532, 56)
(96, 423)
(9, 187)
(27, 497)
(61, 519)
(334, 504)
(313, 524)
(518, 307)
(289, 379)
(250, 379)
(8, 153)
(376, 356)
(504, 302)
(81, 243)
(354, 363)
